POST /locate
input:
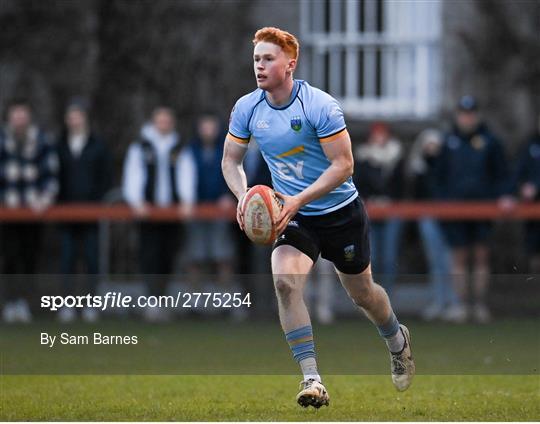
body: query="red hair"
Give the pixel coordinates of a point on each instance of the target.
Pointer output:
(283, 39)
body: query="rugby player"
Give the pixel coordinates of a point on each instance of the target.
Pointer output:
(303, 138)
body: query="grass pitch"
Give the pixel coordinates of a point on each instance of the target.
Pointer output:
(352, 358)
(267, 398)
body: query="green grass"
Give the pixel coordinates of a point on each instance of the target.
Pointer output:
(510, 347)
(205, 371)
(267, 398)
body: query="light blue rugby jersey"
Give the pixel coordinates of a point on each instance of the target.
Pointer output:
(290, 138)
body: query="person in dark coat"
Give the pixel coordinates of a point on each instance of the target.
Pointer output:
(85, 177)
(471, 167)
(211, 241)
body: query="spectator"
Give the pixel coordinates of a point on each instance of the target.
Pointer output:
(421, 171)
(28, 178)
(211, 242)
(471, 166)
(158, 172)
(378, 178)
(528, 180)
(85, 176)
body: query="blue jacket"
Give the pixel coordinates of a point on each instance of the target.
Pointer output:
(210, 182)
(471, 167)
(86, 178)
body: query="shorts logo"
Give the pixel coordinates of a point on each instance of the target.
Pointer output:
(349, 253)
(296, 123)
(293, 224)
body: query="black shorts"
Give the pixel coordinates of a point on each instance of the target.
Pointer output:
(341, 236)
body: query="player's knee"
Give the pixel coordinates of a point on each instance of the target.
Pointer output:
(285, 288)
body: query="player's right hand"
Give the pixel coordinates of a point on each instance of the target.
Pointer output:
(291, 205)
(239, 214)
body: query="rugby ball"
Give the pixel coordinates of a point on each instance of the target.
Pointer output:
(260, 209)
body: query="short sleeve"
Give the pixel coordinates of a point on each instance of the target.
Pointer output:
(329, 120)
(238, 124)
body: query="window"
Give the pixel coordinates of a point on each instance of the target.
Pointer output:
(380, 58)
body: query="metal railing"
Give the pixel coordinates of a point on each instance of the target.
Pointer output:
(106, 215)
(448, 211)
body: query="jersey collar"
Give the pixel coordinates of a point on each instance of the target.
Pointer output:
(295, 90)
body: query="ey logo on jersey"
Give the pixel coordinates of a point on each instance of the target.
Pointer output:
(291, 170)
(296, 123)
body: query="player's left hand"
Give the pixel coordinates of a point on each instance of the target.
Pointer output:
(291, 204)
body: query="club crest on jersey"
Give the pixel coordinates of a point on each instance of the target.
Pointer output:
(296, 123)
(348, 252)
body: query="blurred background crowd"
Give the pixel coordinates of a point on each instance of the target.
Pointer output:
(97, 112)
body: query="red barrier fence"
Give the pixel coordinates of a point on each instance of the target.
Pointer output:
(447, 211)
